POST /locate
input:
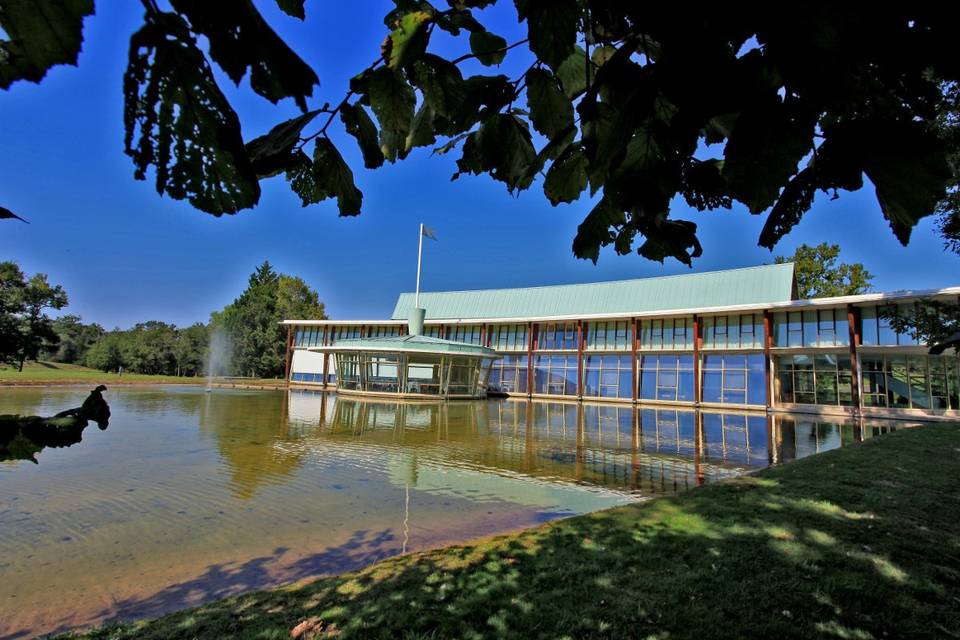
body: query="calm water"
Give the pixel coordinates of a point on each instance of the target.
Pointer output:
(190, 496)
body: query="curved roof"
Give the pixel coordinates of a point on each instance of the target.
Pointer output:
(752, 285)
(409, 344)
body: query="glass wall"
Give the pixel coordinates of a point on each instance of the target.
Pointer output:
(875, 330)
(557, 336)
(308, 337)
(912, 381)
(608, 336)
(412, 373)
(381, 331)
(734, 379)
(469, 333)
(351, 332)
(666, 333)
(508, 337)
(666, 377)
(739, 331)
(815, 379)
(608, 376)
(508, 374)
(811, 328)
(555, 374)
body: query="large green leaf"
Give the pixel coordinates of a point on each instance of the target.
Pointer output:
(273, 152)
(421, 130)
(572, 73)
(360, 126)
(503, 148)
(328, 176)
(42, 33)
(552, 27)
(567, 177)
(408, 41)
(550, 110)
(489, 48)
(241, 40)
(763, 151)
(183, 124)
(594, 232)
(441, 83)
(392, 101)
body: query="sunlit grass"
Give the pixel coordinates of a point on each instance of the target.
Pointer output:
(55, 372)
(817, 548)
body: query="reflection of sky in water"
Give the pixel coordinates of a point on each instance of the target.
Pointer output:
(185, 488)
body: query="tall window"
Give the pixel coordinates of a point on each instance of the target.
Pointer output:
(811, 328)
(608, 336)
(815, 379)
(557, 336)
(608, 376)
(914, 381)
(508, 374)
(876, 330)
(464, 333)
(666, 378)
(666, 334)
(734, 379)
(383, 331)
(349, 332)
(508, 337)
(738, 331)
(555, 374)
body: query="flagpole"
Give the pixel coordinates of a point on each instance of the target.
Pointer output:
(419, 260)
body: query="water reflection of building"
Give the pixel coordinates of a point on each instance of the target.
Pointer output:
(620, 448)
(733, 339)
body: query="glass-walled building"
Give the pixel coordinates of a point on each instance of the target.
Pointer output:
(726, 339)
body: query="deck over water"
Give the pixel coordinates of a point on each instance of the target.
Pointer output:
(190, 496)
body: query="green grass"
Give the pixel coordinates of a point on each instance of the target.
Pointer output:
(860, 542)
(55, 372)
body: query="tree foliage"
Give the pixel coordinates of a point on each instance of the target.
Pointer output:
(819, 275)
(927, 321)
(74, 339)
(25, 327)
(639, 104)
(252, 322)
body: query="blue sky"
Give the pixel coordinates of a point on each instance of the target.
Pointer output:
(125, 255)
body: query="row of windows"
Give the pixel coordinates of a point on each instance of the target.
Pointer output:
(918, 382)
(807, 328)
(815, 379)
(316, 378)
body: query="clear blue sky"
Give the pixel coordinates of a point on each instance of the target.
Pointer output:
(126, 255)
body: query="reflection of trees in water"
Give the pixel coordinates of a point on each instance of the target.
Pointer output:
(245, 428)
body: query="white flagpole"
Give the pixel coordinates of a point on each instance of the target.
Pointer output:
(419, 260)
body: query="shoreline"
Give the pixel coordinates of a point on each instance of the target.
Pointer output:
(854, 542)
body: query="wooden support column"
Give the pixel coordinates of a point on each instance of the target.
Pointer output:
(854, 329)
(289, 354)
(531, 333)
(483, 335)
(579, 359)
(363, 331)
(697, 346)
(767, 358)
(326, 356)
(633, 351)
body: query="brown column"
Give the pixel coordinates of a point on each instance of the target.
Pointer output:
(363, 331)
(531, 332)
(697, 344)
(767, 361)
(483, 335)
(633, 351)
(579, 359)
(289, 354)
(852, 325)
(326, 356)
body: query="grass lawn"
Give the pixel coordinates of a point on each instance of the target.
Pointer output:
(860, 542)
(58, 373)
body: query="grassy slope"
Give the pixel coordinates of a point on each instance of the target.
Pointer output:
(53, 372)
(859, 542)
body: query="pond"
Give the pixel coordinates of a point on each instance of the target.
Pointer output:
(189, 496)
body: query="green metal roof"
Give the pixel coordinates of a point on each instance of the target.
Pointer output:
(418, 344)
(752, 285)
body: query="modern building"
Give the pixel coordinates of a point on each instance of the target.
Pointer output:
(735, 339)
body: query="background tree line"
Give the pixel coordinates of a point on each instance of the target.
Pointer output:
(246, 330)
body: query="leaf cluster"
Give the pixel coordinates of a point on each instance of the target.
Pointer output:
(638, 106)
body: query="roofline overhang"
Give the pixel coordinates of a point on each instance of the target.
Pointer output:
(861, 299)
(488, 353)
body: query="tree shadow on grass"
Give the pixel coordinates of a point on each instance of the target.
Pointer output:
(857, 543)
